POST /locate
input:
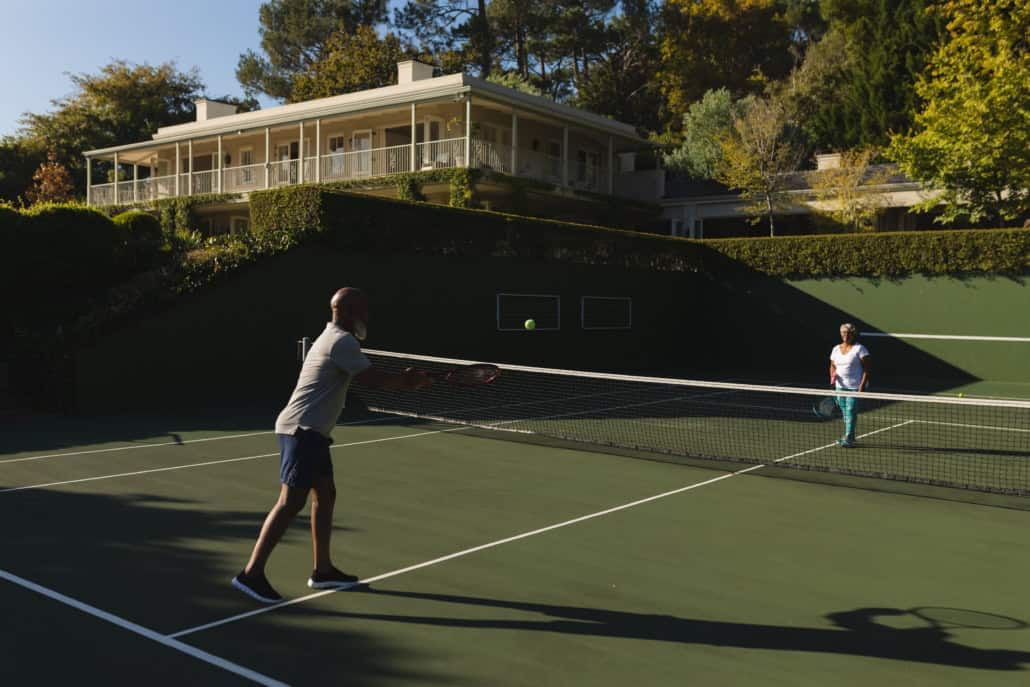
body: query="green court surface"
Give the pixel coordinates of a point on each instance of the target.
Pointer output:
(121, 538)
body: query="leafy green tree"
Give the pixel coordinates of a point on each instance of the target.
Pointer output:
(887, 43)
(350, 61)
(758, 153)
(847, 194)
(515, 81)
(736, 44)
(121, 104)
(972, 137)
(293, 35)
(705, 126)
(19, 158)
(450, 25)
(620, 80)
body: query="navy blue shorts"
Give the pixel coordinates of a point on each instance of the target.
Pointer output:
(303, 457)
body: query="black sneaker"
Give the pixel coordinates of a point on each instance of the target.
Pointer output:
(256, 587)
(334, 579)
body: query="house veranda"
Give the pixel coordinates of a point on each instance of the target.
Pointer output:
(421, 123)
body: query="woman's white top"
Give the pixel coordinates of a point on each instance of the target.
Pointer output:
(849, 365)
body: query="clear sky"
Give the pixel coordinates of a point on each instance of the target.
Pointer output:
(44, 40)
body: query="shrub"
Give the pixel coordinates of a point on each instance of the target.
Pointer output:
(139, 225)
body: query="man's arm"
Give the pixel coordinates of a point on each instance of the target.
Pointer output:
(381, 379)
(833, 372)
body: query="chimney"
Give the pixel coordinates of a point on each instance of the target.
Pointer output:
(827, 161)
(211, 109)
(411, 70)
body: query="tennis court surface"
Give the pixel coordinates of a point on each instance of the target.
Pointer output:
(543, 531)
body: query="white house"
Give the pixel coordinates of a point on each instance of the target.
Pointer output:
(421, 123)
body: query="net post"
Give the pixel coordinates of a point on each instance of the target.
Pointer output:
(303, 346)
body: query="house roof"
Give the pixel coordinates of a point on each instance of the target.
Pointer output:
(437, 88)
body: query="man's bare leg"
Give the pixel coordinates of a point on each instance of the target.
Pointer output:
(323, 501)
(291, 500)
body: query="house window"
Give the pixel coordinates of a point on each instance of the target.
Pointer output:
(337, 144)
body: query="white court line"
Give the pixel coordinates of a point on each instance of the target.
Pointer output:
(948, 337)
(959, 424)
(129, 448)
(219, 462)
(144, 632)
(173, 443)
(524, 535)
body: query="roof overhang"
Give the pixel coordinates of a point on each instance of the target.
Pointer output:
(424, 91)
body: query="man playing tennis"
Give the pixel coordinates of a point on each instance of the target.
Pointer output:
(849, 371)
(304, 428)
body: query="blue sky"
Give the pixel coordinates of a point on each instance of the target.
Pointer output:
(44, 40)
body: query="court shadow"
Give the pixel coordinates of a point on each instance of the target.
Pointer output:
(857, 632)
(163, 562)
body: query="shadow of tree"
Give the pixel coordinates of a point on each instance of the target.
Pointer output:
(164, 563)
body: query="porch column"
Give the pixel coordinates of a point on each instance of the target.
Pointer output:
(413, 137)
(135, 183)
(268, 146)
(318, 150)
(300, 156)
(189, 167)
(468, 130)
(611, 157)
(565, 156)
(89, 180)
(514, 142)
(220, 170)
(178, 164)
(115, 187)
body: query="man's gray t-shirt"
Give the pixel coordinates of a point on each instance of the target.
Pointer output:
(333, 360)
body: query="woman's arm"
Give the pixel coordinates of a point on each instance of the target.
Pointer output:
(865, 373)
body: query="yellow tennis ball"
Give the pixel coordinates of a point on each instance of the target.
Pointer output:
(530, 325)
(961, 395)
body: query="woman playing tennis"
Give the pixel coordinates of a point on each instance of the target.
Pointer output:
(849, 371)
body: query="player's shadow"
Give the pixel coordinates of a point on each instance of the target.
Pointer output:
(857, 632)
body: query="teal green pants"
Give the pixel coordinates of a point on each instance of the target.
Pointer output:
(849, 409)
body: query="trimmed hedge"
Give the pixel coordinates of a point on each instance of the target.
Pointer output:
(356, 222)
(138, 225)
(893, 254)
(176, 216)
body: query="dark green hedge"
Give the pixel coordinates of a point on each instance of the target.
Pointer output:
(895, 254)
(360, 222)
(175, 215)
(283, 217)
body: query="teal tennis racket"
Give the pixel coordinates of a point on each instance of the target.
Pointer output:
(826, 408)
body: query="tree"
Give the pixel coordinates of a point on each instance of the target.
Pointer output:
(620, 82)
(514, 81)
(887, 43)
(51, 183)
(350, 61)
(847, 194)
(448, 25)
(735, 44)
(972, 137)
(121, 104)
(705, 127)
(293, 35)
(757, 155)
(19, 158)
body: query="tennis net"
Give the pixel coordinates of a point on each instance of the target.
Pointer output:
(977, 444)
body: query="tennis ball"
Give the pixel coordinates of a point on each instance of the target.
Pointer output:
(961, 395)
(530, 325)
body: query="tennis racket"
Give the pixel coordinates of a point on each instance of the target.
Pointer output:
(825, 408)
(943, 617)
(467, 375)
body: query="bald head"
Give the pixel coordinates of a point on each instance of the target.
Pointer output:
(349, 305)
